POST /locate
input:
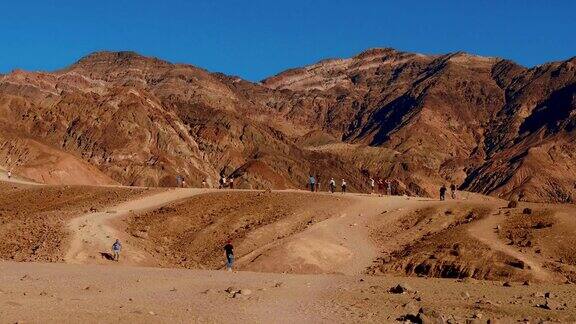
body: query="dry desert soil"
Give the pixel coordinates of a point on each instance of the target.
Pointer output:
(300, 257)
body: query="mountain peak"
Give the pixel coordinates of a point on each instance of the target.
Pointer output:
(120, 58)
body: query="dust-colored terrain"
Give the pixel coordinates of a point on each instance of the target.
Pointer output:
(33, 218)
(300, 256)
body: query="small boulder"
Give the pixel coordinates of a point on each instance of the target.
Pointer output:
(512, 204)
(527, 211)
(401, 288)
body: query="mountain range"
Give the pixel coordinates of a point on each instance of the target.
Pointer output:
(486, 124)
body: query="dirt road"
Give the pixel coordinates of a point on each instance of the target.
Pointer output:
(93, 233)
(485, 231)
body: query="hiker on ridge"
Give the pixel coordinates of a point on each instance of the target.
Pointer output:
(312, 183)
(332, 185)
(443, 192)
(453, 191)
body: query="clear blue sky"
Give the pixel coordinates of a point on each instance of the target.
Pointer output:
(255, 39)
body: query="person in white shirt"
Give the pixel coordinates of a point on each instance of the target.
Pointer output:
(332, 185)
(372, 184)
(343, 186)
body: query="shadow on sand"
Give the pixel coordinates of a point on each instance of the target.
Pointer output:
(107, 255)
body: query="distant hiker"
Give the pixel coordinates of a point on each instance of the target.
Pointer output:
(443, 192)
(388, 187)
(312, 183)
(453, 191)
(231, 183)
(372, 184)
(116, 248)
(9, 174)
(343, 185)
(380, 187)
(317, 183)
(204, 183)
(229, 250)
(332, 185)
(222, 182)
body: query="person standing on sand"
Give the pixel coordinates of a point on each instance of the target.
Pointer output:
(116, 248)
(372, 184)
(388, 187)
(229, 250)
(443, 192)
(343, 185)
(9, 174)
(204, 183)
(453, 191)
(332, 185)
(317, 183)
(223, 182)
(231, 183)
(312, 183)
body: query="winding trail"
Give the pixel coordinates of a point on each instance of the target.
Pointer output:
(339, 244)
(485, 231)
(94, 233)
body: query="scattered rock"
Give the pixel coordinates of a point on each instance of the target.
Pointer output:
(507, 284)
(512, 204)
(245, 292)
(401, 288)
(527, 211)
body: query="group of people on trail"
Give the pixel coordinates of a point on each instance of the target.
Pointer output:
(443, 191)
(381, 186)
(223, 183)
(314, 184)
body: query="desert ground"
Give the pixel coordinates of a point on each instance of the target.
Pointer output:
(300, 256)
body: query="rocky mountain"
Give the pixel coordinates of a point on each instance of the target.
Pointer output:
(486, 124)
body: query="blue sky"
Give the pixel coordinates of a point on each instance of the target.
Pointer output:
(256, 39)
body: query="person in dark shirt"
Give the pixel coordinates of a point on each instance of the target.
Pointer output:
(443, 192)
(453, 191)
(229, 249)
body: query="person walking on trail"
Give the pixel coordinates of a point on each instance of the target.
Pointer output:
(312, 183)
(9, 174)
(388, 187)
(443, 192)
(116, 248)
(380, 187)
(332, 185)
(204, 183)
(372, 184)
(229, 250)
(453, 191)
(223, 182)
(343, 185)
(317, 183)
(231, 183)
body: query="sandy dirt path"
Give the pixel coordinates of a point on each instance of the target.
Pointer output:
(485, 231)
(339, 244)
(93, 233)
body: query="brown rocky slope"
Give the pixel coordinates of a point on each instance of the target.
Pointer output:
(486, 123)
